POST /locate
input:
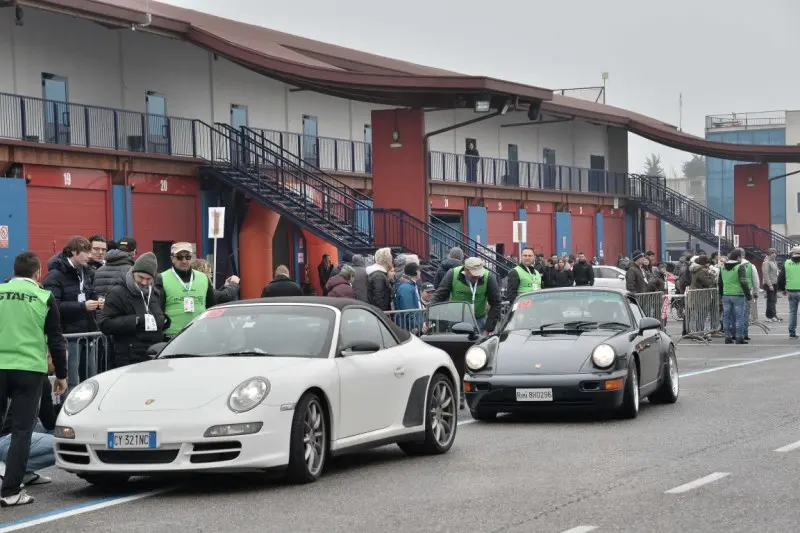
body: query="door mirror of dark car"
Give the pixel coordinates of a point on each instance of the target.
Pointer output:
(360, 348)
(465, 328)
(648, 323)
(155, 349)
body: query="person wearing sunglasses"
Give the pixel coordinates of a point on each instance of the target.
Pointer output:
(185, 292)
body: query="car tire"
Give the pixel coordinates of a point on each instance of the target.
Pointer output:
(630, 399)
(669, 390)
(309, 435)
(111, 481)
(441, 416)
(482, 415)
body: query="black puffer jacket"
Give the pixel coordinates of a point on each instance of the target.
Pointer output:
(63, 281)
(281, 286)
(123, 317)
(446, 266)
(379, 290)
(113, 272)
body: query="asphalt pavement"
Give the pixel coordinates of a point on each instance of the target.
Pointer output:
(723, 458)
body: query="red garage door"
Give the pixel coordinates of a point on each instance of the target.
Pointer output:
(499, 230)
(541, 233)
(583, 235)
(613, 238)
(651, 239)
(63, 203)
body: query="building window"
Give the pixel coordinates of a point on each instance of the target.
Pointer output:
(798, 202)
(56, 109)
(239, 116)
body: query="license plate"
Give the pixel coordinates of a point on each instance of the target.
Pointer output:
(135, 440)
(534, 395)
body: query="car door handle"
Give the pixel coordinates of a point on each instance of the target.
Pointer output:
(399, 371)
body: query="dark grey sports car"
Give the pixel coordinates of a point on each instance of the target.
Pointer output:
(587, 348)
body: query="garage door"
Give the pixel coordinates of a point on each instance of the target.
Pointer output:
(499, 230)
(583, 235)
(613, 238)
(161, 219)
(541, 233)
(56, 214)
(651, 239)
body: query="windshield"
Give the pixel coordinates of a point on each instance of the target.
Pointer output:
(266, 330)
(543, 308)
(442, 317)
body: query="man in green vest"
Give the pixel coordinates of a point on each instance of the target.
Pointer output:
(735, 291)
(474, 284)
(185, 293)
(30, 324)
(789, 283)
(523, 278)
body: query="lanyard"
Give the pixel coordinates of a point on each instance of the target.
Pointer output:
(187, 288)
(78, 273)
(147, 303)
(473, 288)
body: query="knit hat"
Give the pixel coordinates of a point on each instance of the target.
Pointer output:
(636, 255)
(146, 264)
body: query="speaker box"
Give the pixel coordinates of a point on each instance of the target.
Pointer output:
(533, 110)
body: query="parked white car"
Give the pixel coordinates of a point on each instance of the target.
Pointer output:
(613, 277)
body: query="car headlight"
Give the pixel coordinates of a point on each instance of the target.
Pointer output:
(603, 356)
(248, 395)
(476, 358)
(80, 397)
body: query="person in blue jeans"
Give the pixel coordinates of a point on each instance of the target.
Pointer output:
(789, 283)
(734, 288)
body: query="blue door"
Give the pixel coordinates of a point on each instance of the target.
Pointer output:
(157, 123)
(367, 148)
(310, 143)
(56, 109)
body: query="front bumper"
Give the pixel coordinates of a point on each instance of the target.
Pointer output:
(181, 446)
(569, 391)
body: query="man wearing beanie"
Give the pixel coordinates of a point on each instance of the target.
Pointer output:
(133, 314)
(636, 277)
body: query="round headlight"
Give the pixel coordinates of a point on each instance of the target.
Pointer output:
(603, 356)
(248, 395)
(80, 397)
(476, 358)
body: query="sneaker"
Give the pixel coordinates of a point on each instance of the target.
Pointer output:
(21, 498)
(32, 478)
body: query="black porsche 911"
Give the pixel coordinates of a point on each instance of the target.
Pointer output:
(577, 347)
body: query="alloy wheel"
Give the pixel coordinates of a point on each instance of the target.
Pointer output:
(314, 437)
(443, 413)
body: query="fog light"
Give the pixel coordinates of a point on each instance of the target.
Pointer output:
(63, 432)
(614, 384)
(231, 430)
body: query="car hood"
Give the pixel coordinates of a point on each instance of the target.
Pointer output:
(190, 383)
(556, 353)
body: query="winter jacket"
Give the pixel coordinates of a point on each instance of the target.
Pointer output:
(281, 286)
(656, 283)
(702, 277)
(123, 317)
(730, 265)
(379, 290)
(769, 271)
(561, 278)
(338, 287)
(446, 266)
(324, 275)
(635, 279)
(407, 299)
(113, 272)
(63, 280)
(228, 293)
(361, 284)
(583, 273)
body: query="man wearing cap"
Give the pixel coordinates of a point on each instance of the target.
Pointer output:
(185, 293)
(473, 283)
(426, 293)
(636, 276)
(117, 264)
(523, 278)
(789, 283)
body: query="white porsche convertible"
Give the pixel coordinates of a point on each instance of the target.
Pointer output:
(262, 384)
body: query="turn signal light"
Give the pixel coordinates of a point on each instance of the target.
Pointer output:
(467, 386)
(614, 384)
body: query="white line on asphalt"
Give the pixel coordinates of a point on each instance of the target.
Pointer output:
(789, 447)
(736, 365)
(87, 507)
(698, 483)
(581, 529)
(711, 359)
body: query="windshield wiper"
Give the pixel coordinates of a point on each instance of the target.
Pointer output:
(614, 324)
(246, 353)
(574, 324)
(178, 356)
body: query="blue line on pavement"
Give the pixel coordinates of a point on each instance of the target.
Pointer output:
(65, 509)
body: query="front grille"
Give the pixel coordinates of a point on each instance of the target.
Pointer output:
(73, 453)
(215, 452)
(133, 457)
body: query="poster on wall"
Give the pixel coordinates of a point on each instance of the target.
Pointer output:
(3, 236)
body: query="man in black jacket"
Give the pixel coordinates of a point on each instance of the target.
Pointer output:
(583, 272)
(118, 262)
(281, 285)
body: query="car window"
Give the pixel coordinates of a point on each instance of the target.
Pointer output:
(388, 339)
(277, 330)
(442, 317)
(360, 326)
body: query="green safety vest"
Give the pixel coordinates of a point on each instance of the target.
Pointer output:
(175, 292)
(23, 311)
(461, 292)
(749, 268)
(792, 273)
(730, 282)
(528, 282)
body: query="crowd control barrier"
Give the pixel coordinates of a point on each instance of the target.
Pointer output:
(701, 314)
(412, 320)
(87, 356)
(753, 319)
(654, 305)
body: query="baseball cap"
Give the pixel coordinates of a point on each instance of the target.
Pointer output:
(795, 250)
(428, 287)
(179, 247)
(127, 244)
(474, 265)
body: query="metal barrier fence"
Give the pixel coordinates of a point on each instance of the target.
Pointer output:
(701, 314)
(412, 320)
(753, 318)
(87, 356)
(654, 305)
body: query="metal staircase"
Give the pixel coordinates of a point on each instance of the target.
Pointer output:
(323, 205)
(651, 195)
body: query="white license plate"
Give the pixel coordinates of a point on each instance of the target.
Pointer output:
(534, 395)
(134, 440)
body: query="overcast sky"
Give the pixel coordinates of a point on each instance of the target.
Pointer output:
(724, 55)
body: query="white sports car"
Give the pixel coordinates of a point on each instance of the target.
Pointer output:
(261, 384)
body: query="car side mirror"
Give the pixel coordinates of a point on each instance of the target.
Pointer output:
(648, 323)
(465, 328)
(360, 348)
(156, 349)
(620, 277)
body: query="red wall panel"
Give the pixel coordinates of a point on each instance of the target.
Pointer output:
(499, 230)
(541, 233)
(165, 208)
(751, 205)
(584, 236)
(613, 235)
(652, 229)
(448, 203)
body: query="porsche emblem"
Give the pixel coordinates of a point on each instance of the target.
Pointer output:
(148, 402)
(538, 365)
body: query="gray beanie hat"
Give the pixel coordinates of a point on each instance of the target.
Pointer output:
(147, 264)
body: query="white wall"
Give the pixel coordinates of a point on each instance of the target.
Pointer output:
(115, 68)
(792, 182)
